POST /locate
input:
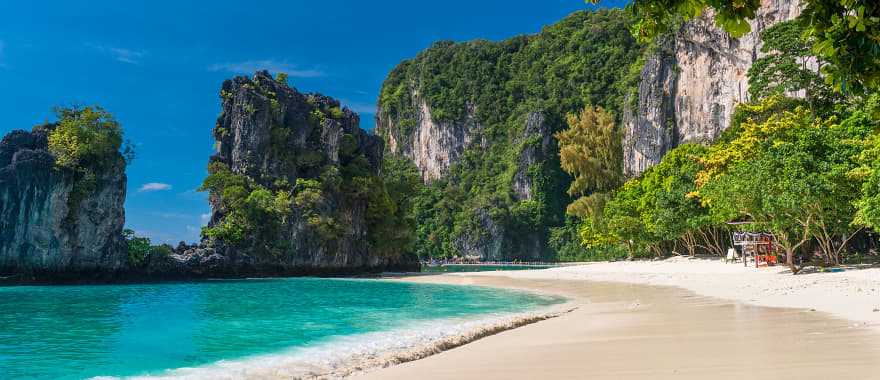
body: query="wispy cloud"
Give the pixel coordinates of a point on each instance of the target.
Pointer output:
(154, 186)
(361, 108)
(170, 215)
(248, 67)
(122, 55)
(205, 218)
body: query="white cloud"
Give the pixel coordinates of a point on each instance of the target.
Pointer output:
(127, 56)
(249, 67)
(122, 55)
(205, 218)
(154, 186)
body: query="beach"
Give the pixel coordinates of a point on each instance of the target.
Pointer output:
(674, 319)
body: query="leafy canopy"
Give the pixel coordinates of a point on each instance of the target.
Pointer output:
(590, 150)
(84, 137)
(843, 33)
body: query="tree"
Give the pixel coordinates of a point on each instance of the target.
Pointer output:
(85, 143)
(84, 138)
(844, 33)
(792, 181)
(774, 192)
(667, 210)
(868, 171)
(140, 247)
(590, 150)
(621, 223)
(392, 226)
(789, 67)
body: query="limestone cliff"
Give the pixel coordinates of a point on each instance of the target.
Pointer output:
(46, 231)
(477, 119)
(690, 85)
(308, 159)
(434, 145)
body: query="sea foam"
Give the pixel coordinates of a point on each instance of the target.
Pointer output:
(347, 355)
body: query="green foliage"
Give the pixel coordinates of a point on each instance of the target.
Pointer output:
(336, 113)
(844, 33)
(249, 210)
(501, 85)
(84, 138)
(868, 171)
(389, 216)
(86, 142)
(797, 178)
(590, 150)
(140, 247)
(781, 169)
(787, 68)
(281, 77)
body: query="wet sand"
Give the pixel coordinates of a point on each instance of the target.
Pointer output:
(629, 331)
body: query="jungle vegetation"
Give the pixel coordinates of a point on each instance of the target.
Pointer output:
(588, 58)
(803, 168)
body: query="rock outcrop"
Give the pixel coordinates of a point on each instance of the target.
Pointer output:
(272, 136)
(434, 145)
(690, 85)
(477, 119)
(46, 231)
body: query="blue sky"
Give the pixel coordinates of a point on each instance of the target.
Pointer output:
(158, 66)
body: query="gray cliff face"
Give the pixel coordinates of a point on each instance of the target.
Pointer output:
(39, 234)
(267, 131)
(434, 145)
(252, 107)
(691, 84)
(536, 140)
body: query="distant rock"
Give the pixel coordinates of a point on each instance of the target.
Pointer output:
(271, 135)
(41, 236)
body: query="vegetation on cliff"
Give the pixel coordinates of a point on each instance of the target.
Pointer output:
(844, 34)
(803, 169)
(303, 180)
(86, 142)
(583, 59)
(63, 192)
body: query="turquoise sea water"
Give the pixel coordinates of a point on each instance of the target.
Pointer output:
(479, 268)
(73, 332)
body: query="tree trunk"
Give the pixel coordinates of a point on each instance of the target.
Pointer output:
(789, 259)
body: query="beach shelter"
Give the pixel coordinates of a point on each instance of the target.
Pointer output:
(761, 246)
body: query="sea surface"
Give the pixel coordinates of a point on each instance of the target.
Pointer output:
(75, 332)
(479, 267)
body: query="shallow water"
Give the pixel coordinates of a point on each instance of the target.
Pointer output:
(72, 332)
(480, 268)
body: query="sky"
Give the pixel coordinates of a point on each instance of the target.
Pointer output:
(158, 66)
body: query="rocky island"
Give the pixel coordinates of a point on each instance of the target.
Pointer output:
(295, 188)
(61, 208)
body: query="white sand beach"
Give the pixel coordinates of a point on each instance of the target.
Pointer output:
(674, 319)
(853, 294)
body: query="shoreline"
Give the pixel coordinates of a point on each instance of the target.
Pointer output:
(630, 324)
(852, 294)
(354, 355)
